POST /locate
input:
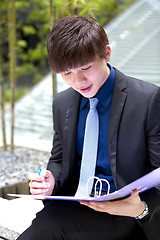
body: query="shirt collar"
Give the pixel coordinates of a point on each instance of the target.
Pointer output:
(105, 92)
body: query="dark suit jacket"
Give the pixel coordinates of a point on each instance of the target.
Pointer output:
(134, 136)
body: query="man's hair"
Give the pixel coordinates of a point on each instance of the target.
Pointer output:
(75, 41)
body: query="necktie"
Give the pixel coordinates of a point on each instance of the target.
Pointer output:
(90, 147)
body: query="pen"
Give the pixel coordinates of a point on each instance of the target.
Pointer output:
(39, 173)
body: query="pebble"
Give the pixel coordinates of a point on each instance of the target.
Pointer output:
(17, 165)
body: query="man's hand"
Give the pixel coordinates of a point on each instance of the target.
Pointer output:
(131, 206)
(43, 184)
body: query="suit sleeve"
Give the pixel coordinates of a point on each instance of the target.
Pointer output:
(152, 197)
(153, 130)
(55, 161)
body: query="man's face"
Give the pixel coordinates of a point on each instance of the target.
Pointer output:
(88, 79)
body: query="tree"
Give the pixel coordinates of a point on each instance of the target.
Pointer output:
(1, 98)
(12, 45)
(51, 15)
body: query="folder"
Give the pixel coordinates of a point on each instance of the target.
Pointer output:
(142, 184)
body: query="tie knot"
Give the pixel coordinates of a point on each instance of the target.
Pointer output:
(93, 102)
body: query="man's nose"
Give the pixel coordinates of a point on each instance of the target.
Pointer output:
(79, 77)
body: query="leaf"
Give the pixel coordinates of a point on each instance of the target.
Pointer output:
(22, 43)
(28, 30)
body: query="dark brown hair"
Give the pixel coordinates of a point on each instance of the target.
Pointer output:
(75, 41)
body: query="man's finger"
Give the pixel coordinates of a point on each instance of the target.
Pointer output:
(37, 191)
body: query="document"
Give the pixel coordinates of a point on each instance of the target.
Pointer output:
(142, 184)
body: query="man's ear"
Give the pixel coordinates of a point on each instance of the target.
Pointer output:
(108, 53)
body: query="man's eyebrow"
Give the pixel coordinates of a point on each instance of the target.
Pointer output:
(87, 64)
(80, 66)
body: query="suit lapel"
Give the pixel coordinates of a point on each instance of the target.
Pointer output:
(118, 102)
(70, 131)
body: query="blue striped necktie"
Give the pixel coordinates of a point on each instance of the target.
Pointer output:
(90, 147)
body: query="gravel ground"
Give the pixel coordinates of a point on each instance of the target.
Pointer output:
(8, 234)
(17, 165)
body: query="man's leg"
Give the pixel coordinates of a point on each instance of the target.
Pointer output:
(66, 220)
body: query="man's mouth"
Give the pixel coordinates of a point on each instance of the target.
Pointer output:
(85, 90)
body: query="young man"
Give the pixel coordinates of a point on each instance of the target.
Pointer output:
(128, 144)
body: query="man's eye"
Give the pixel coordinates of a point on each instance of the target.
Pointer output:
(67, 73)
(86, 68)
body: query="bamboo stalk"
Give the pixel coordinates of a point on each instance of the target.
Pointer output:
(51, 25)
(11, 34)
(2, 102)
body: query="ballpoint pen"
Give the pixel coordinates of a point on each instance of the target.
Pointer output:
(39, 173)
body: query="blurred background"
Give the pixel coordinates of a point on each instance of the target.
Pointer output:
(24, 28)
(27, 85)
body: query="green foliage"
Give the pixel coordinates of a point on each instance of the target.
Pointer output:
(28, 30)
(18, 94)
(22, 44)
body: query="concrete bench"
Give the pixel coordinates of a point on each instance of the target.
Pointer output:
(17, 215)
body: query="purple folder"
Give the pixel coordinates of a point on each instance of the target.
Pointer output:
(142, 184)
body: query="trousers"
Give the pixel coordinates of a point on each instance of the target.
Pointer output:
(67, 220)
